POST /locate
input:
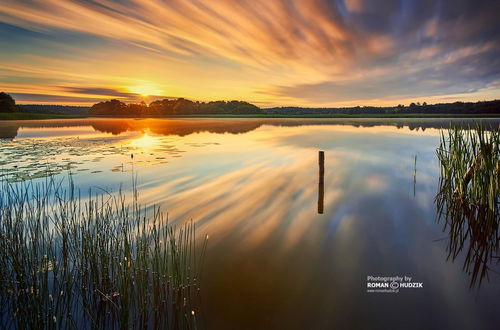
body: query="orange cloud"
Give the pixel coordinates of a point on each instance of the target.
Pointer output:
(220, 49)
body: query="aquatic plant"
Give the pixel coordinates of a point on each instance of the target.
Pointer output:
(30, 159)
(68, 261)
(469, 197)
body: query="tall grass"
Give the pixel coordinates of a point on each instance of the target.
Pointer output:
(94, 262)
(469, 197)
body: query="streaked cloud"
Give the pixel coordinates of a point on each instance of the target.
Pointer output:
(99, 91)
(53, 98)
(314, 52)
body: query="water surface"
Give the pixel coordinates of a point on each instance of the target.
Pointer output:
(274, 261)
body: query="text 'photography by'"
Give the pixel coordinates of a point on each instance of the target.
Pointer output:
(264, 164)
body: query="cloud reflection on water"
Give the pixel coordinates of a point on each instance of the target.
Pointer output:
(272, 261)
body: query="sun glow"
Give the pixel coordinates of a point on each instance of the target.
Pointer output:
(146, 90)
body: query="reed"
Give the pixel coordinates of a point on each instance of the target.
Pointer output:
(96, 262)
(469, 197)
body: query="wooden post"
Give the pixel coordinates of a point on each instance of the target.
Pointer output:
(321, 183)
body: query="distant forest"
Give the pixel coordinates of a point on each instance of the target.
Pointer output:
(181, 106)
(168, 107)
(54, 109)
(457, 108)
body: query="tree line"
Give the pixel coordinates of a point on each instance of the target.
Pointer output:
(172, 107)
(456, 108)
(181, 106)
(54, 109)
(8, 104)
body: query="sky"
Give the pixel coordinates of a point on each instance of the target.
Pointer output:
(316, 53)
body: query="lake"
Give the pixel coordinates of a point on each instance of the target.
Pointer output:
(284, 251)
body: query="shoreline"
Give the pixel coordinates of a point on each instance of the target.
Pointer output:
(41, 116)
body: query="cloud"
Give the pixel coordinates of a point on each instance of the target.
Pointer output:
(270, 49)
(83, 95)
(464, 71)
(100, 91)
(47, 98)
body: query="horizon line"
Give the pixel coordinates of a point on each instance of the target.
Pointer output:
(418, 103)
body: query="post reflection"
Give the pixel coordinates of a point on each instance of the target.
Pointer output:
(321, 183)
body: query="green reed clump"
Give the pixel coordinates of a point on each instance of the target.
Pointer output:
(95, 262)
(469, 196)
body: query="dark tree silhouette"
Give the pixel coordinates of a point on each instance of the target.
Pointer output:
(113, 107)
(7, 103)
(173, 107)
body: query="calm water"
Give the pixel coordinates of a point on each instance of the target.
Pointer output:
(273, 261)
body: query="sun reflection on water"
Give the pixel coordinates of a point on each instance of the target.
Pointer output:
(146, 142)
